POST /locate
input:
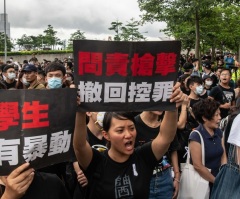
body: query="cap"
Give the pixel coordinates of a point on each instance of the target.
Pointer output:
(206, 76)
(30, 67)
(207, 64)
(7, 67)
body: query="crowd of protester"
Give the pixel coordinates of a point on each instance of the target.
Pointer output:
(207, 99)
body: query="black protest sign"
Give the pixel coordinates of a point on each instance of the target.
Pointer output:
(36, 126)
(125, 76)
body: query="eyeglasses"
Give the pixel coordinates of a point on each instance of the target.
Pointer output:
(225, 75)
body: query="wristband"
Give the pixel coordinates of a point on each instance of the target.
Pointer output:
(177, 180)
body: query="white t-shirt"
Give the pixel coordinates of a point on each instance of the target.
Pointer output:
(234, 136)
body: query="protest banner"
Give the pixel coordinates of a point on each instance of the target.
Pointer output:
(125, 76)
(36, 126)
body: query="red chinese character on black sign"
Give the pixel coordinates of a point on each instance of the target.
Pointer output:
(117, 63)
(35, 115)
(9, 115)
(165, 63)
(90, 63)
(142, 66)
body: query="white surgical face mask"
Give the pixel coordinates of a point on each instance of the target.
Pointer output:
(11, 76)
(4, 77)
(100, 116)
(199, 90)
(208, 83)
(69, 79)
(24, 81)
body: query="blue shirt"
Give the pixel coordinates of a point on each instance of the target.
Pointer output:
(213, 147)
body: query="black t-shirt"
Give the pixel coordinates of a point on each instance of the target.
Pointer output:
(222, 95)
(131, 179)
(146, 134)
(204, 96)
(95, 142)
(11, 85)
(183, 134)
(46, 186)
(185, 91)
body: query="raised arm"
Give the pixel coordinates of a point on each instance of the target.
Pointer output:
(183, 115)
(168, 126)
(83, 150)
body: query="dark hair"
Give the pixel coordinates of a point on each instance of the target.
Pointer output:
(226, 69)
(70, 64)
(219, 67)
(194, 79)
(205, 108)
(41, 72)
(54, 66)
(19, 84)
(6, 67)
(107, 120)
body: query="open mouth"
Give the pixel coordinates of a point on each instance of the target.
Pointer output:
(129, 145)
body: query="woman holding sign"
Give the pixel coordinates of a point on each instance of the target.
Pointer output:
(123, 171)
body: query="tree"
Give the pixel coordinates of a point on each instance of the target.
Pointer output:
(186, 13)
(50, 38)
(25, 42)
(78, 35)
(117, 27)
(2, 42)
(129, 32)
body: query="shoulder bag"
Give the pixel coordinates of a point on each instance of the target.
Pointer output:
(226, 184)
(192, 185)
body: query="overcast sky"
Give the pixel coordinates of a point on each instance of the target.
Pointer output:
(93, 17)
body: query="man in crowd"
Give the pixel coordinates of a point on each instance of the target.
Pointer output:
(9, 76)
(207, 66)
(223, 93)
(30, 74)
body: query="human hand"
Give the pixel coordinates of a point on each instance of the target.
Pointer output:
(176, 189)
(185, 101)
(17, 183)
(83, 181)
(226, 105)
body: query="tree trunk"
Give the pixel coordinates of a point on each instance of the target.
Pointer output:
(197, 44)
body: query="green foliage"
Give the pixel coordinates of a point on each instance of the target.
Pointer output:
(2, 42)
(196, 22)
(38, 52)
(129, 32)
(78, 35)
(47, 39)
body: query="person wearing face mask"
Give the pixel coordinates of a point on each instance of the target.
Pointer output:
(22, 82)
(208, 82)
(30, 76)
(69, 80)
(10, 75)
(55, 75)
(195, 84)
(207, 70)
